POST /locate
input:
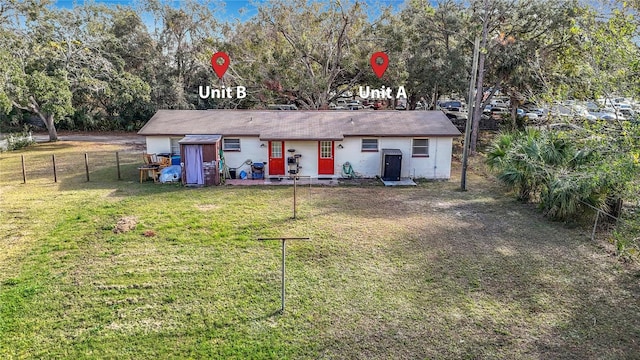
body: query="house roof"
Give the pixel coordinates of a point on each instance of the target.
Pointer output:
(299, 125)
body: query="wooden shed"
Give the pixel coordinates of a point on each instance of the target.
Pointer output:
(200, 156)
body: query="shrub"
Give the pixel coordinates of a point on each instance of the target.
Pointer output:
(19, 141)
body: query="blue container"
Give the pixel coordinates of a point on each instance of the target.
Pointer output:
(175, 160)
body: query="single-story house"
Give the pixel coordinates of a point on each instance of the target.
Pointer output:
(315, 143)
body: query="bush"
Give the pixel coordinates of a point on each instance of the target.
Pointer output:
(18, 141)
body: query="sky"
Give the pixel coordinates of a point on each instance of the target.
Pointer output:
(233, 9)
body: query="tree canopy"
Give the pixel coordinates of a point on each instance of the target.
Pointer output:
(94, 66)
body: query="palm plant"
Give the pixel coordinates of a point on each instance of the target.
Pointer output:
(542, 166)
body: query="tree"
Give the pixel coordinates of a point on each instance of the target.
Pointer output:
(605, 60)
(185, 38)
(30, 83)
(511, 31)
(67, 61)
(307, 53)
(435, 47)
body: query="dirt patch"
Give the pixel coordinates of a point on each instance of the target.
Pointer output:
(125, 224)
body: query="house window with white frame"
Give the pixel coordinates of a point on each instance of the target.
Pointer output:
(175, 147)
(230, 144)
(420, 148)
(369, 144)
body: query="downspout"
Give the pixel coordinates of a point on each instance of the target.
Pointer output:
(435, 160)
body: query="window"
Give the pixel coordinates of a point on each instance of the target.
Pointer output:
(175, 147)
(231, 144)
(369, 144)
(420, 148)
(325, 149)
(276, 149)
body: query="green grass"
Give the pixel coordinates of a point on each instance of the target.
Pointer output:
(426, 272)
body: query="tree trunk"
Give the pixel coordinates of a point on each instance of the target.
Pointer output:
(51, 126)
(515, 103)
(434, 98)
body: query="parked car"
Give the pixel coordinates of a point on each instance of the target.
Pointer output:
(339, 104)
(282, 107)
(422, 106)
(626, 110)
(605, 115)
(355, 105)
(453, 105)
(500, 103)
(539, 111)
(499, 112)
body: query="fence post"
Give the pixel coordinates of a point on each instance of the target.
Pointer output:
(86, 164)
(55, 174)
(118, 164)
(24, 171)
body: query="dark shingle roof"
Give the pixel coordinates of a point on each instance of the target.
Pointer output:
(299, 125)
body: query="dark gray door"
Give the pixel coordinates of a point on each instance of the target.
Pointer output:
(392, 166)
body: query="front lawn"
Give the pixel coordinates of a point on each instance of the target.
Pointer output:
(426, 272)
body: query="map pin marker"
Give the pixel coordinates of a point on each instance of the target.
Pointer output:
(379, 69)
(220, 69)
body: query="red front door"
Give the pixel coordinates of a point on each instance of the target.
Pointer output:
(276, 158)
(325, 158)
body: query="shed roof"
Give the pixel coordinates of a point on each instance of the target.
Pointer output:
(299, 125)
(199, 139)
(391, 152)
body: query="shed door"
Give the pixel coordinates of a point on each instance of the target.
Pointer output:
(194, 171)
(276, 158)
(325, 158)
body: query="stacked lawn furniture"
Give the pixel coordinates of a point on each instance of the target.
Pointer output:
(152, 167)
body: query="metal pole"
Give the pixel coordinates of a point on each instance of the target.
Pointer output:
(283, 271)
(118, 164)
(55, 175)
(86, 164)
(24, 171)
(467, 128)
(295, 185)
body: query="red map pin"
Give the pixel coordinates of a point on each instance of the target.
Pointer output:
(379, 69)
(220, 69)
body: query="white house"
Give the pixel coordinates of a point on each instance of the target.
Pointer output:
(315, 143)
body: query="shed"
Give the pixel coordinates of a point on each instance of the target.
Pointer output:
(200, 156)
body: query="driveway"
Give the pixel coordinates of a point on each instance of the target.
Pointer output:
(131, 139)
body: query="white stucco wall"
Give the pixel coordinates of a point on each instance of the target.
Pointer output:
(308, 161)
(249, 150)
(158, 144)
(365, 164)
